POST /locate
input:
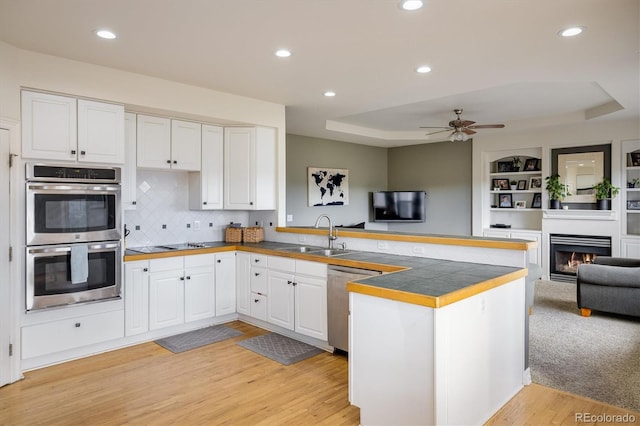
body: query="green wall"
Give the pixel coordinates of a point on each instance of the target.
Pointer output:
(441, 169)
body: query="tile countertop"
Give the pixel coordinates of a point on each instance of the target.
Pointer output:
(422, 281)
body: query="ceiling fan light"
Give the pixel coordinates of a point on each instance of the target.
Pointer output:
(411, 5)
(571, 31)
(458, 136)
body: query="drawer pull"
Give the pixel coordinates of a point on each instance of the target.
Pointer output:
(256, 300)
(145, 269)
(77, 325)
(256, 274)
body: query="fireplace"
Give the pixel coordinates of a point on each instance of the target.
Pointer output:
(567, 252)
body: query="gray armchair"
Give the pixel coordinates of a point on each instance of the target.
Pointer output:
(610, 284)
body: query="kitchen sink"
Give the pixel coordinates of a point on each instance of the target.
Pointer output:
(329, 252)
(301, 249)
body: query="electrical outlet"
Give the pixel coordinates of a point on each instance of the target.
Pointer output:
(418, 250)
(289, 218)
(383, 245)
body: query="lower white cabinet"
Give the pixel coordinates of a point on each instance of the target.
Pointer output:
(225, 279)
(297, 296)
(199, 287)
(630, 247)
(166, 298)
(57, 336)
(243, 277)
(136, 297)
(535, 255)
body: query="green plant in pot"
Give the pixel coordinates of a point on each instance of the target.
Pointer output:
(604, 192)
(556, 190)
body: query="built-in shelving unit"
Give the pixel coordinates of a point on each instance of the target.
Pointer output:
(630, 242)
(513, 206)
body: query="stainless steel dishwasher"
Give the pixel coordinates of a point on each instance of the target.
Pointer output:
(338, 302)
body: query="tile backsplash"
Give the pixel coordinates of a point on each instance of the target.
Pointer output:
(162, 214)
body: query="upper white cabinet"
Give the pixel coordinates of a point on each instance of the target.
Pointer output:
(168, 144)
(205, 188)
(63, 128)
(249, 168)
(128, 176)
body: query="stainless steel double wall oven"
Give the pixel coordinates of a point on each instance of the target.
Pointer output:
(73, 251)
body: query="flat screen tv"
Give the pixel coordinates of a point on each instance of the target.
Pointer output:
(399, 206)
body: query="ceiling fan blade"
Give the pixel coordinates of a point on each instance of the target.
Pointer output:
(435, 127)
(468, 131)
(467, 123)
(487, 126)
(440, 131)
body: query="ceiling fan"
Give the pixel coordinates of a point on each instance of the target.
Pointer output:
(461, 129)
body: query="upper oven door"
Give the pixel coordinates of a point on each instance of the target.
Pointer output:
(68, 213)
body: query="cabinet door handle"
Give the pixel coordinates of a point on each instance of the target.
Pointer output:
(181, 278)
(168, 161)
(175, 162)
(256, 260)
(256, 300)
(78, 325)
(188, 277)
(219, 261)
(295, 283)
(204, 202)
(73, 152)
(256, 273)
(133, 202)
(83, 152)
(250, 203)
(145, 269)
(289, 282)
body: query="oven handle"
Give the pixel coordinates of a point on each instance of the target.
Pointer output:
(67, 248)
(73, 187)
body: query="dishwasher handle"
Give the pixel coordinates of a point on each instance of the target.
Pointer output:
(351, 270)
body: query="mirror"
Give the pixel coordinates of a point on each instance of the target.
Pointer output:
(580, 172)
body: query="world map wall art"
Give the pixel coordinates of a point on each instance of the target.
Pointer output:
(328, 187)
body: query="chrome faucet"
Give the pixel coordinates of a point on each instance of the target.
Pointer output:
(332, 235)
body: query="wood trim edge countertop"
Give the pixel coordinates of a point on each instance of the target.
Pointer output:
(466, 241)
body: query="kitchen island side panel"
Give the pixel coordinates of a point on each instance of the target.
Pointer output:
(411, 364)
(391, 361)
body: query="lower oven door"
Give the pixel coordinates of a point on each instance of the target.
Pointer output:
(65, 274)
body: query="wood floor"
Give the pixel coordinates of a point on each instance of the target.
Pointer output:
(223, 383)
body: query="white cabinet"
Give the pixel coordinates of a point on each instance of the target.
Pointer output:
(136, 297)
(100, 132)
(631, 190)
(185, 145)
(128, 173)
(168, 144)
(205, 187)
(58, 127)
(250, 168)
(258, 287)
(225, 283)
(199, 287)
(243, 282)
(70, 333)
(153, 142)
(630, 247)
(297, 296)
(166, 296)
(535, 255)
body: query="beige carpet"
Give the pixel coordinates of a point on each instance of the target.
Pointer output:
(597, 357)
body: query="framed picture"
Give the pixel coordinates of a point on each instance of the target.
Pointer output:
(506, 166)
(531, 165)
(536, 203)
(501, 184)
(522, 185)
(535, 182)
(520, 204)
(633, 205)
(505, 201)
(635, 158)
(328, 187)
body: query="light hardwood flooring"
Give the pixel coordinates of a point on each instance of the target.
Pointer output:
(223, 383)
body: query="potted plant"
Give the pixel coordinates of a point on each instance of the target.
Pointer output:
(557, 190)
(516, 163)
(604, 192)
(633, 183)
(513, 184)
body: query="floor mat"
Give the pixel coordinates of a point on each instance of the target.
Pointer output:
(197, 338)
(280, 348)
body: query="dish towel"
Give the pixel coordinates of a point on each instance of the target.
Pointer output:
(79, 263)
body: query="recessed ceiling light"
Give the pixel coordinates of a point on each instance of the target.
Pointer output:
(423, 69)
(106, 34)
(411, 4)
(283, 53)
(571, 31)
(329, 94)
